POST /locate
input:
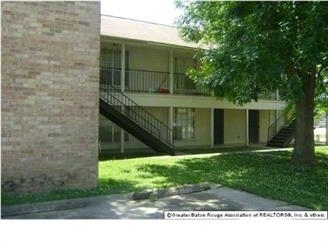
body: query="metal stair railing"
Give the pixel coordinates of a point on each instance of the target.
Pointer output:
(114, 97)
(279, 124)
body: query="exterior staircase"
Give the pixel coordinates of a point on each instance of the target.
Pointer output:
(120, 109)
(281, 132)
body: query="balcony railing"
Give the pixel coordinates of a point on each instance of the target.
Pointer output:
(151, 81)
(184, 85)
(137, 80)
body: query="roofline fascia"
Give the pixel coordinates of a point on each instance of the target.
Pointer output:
(136, 20)
(145, 42)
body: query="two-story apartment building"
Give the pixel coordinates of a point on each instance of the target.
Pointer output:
(147, 62)
(65, 76)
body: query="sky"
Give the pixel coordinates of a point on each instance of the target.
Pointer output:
(157, 11)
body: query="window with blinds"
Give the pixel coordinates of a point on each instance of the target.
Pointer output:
(184, 124)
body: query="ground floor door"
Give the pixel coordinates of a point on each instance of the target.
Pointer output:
(253, 126)
(218, 126)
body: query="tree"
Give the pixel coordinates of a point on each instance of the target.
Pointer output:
(261, 47)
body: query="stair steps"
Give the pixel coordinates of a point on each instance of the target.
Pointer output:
(284, 136)
(125, 113)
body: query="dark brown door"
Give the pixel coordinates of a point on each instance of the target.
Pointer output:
(253, 126)
(218, 126)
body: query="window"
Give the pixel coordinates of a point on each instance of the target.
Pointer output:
(109, 132)
(110, 62)
(184, 123)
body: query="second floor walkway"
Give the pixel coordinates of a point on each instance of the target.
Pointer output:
(136, 80)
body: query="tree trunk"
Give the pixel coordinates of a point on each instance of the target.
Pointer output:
(304, 136)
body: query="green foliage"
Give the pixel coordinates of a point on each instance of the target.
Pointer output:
(258, 47)
(322, 102)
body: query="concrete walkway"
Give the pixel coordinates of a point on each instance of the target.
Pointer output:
(122, 206)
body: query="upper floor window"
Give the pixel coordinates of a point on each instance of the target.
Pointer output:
(110, 64)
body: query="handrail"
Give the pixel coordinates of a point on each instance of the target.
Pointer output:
(136, 113)
(140, 80)
(273, 129)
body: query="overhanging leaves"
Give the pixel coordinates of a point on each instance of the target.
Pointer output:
(257, 46)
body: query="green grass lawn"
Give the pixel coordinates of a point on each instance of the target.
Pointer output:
(268, 174)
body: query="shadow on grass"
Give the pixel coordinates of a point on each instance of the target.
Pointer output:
(269, 175)
(322, 158)
(108, 155)
(216, 169)
(122, 156)
(225, 149)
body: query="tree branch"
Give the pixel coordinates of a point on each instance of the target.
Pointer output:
(320, 71)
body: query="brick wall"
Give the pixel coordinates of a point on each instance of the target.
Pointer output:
(49, 95)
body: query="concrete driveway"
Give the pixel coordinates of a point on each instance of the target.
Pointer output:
(122, 206)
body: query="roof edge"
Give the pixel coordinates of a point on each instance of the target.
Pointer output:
(169, 45)
(148, 22)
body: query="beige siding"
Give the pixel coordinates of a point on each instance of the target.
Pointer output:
(182, 63)
(159, 113)
(234, 126)
(264, 124)
(203, 126)
(150, 59)
(272, 116)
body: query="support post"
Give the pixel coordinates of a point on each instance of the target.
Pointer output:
(171, 122)
(171, 78)
(247, 128)
(277, 116)
(212, 128)
(122, 67)
(277, 94)
(122, 134)
(122, 141)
